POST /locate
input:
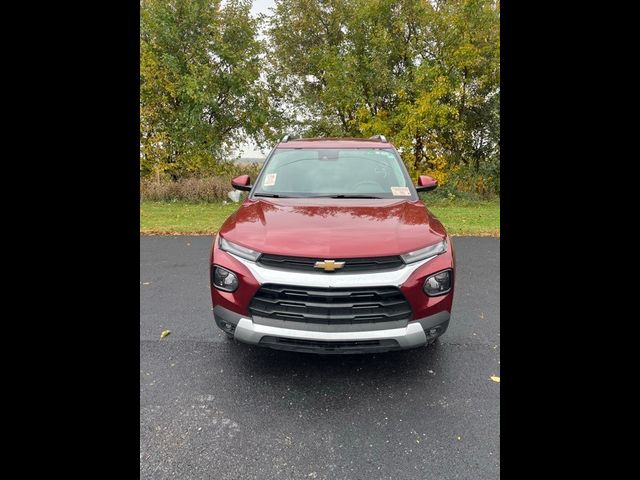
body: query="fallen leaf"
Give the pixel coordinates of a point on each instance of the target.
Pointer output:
(165, 333)
(146, 283)
(495, 379)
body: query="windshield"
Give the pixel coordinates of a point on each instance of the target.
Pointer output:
(335, 172)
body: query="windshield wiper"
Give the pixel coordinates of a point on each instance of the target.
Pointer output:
(273, 195)
(351, 196)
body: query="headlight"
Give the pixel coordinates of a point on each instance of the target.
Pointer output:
(438, 283)
(238, 250)
(426, 252)
(224, 279)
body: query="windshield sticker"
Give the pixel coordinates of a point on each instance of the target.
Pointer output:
(270, 180)
(401, 191)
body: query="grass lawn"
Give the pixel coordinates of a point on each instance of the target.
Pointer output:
(173, 218)
(469, 218)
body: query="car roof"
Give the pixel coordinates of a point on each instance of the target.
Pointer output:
(333, 142)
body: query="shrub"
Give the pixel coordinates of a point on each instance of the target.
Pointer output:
(194, 188)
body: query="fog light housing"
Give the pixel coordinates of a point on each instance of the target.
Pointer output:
(224, 279)
(228, 327)
(438, 283)
(433, 332)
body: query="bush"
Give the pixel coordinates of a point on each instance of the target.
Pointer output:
(195, 188)
(191, 189)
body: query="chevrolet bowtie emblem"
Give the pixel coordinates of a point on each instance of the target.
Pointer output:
(329, 265)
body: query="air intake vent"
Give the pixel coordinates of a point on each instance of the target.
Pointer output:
(330, 306)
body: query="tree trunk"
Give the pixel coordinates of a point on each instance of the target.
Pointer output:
(418, 151)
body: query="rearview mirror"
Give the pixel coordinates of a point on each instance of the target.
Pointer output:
(243, 182)
(426, 183)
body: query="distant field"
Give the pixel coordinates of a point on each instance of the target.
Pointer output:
(173, 218)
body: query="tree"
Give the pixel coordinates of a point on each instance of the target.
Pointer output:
(201, 90)
(424, 73)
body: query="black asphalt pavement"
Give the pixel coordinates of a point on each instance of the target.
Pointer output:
(213, 408)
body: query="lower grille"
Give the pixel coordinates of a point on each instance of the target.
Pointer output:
(364, 346)
(330, 305)
(312, 343)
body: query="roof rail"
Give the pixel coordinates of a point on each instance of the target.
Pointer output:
(289, 136)
(380, 138)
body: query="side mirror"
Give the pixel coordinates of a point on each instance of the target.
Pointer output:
(243, 182)
(426, 183)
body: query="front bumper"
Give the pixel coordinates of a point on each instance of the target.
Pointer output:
(366, 340)
(429, 319)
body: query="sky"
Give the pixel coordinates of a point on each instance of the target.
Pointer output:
(249, 150)
(261, 6)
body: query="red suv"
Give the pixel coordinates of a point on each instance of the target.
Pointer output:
(333, 252)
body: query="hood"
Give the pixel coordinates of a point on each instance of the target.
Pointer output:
(330, 228)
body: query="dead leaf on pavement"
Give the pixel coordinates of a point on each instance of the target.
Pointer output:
(165, 333)
(495, 379)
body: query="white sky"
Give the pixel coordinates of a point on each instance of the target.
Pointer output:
(261, 6)
(249, 149)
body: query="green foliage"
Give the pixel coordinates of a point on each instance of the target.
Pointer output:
(200, 88)
(425, 74)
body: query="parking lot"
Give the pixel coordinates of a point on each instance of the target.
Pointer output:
(214, 408)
